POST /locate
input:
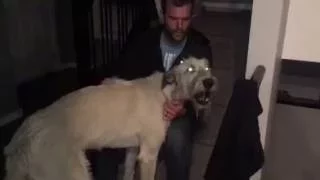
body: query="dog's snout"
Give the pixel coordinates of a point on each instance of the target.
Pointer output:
(208, 83)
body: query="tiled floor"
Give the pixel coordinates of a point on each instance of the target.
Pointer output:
(227, 34)
(223, 30)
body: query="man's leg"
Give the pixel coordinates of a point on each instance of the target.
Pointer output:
(178, 149)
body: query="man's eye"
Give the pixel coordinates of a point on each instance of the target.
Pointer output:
(173, 18)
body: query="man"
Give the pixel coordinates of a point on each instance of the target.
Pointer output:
(161, 48)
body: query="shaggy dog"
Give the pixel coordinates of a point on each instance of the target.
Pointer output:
(50, 144)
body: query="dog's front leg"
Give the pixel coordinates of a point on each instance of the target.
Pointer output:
(148, 161)
(78, 165)
(130, 161)
(148, 169)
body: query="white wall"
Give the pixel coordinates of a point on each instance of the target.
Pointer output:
(302, 39)
(280, 29)
(32, 39)
(8, 98)
(265, 48)
(295, 150)
(28, 48)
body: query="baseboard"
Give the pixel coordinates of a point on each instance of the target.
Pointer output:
(225, 6)
(15, 115)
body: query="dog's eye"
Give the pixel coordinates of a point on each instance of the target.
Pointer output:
(207, 68)
(181, 62)
(190, 69)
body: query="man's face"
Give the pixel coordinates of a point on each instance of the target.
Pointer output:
(177, 20)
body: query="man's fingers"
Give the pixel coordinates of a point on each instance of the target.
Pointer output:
(168, 115)
(176, 103)
(172, 109)
(177, 106)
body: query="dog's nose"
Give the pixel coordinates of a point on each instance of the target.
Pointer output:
(208, 83)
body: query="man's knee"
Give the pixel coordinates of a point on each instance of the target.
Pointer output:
(178, 140)
(178, 150)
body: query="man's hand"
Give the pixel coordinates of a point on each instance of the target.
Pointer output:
(172, 109)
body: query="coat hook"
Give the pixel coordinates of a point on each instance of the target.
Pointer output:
(258, 74)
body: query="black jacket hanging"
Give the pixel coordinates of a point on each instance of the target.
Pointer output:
(238, 152)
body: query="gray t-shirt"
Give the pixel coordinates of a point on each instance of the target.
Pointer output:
(170, 51)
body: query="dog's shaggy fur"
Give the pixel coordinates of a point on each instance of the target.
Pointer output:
(50, 144)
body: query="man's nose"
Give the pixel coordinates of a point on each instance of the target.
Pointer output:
(179, 24)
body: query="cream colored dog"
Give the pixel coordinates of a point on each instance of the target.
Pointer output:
(50, 144)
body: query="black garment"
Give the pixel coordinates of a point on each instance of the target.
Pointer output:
(238, 152)
(142, 56)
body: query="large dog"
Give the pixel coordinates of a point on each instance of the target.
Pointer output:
(50, 144)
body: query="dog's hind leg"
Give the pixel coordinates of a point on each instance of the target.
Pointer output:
(130, 162)
(14, 173)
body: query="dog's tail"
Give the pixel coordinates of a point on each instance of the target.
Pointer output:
(16, 159)
(15, 168)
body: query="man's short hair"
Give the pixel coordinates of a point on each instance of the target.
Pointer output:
(177, 3)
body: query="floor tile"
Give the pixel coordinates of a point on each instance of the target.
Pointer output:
(226, 81)
(222, 52)
(201, 155)
(208, 134)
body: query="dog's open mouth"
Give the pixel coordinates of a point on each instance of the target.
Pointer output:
(202, 98)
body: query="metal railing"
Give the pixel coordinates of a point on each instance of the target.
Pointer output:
(108, 25)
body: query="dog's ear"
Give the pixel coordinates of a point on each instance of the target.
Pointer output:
(169, 78)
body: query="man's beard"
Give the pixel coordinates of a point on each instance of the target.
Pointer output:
(175, 37)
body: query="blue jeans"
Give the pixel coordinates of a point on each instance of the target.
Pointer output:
(177, 149)
(176, 152)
